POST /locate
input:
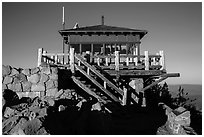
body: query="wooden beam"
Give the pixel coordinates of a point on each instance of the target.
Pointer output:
(153, 84)
(135, 73)
(40, 51)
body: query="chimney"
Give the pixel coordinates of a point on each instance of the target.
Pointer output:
(102, 20)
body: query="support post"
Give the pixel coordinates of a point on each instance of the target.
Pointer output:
(162, 62)
(92, 53)
(40, 51)
(71, 57)
(124, 100)
(104, 49)
(117, 60)
(115, 47)
(80, 49)
(138, 51)
(146, 60)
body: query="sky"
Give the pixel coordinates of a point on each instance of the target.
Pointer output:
(175, 28)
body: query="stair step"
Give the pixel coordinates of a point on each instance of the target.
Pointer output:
(93, 89)
(83, 81)
(88, 85)
(78, 78)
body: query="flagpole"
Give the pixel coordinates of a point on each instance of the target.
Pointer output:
(63, 27)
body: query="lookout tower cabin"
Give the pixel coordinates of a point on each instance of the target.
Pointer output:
(110, 59)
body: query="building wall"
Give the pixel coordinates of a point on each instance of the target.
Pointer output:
(30, 82)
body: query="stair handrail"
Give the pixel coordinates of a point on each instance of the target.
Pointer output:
(109, 83)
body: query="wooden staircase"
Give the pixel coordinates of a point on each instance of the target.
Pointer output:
(94, 83)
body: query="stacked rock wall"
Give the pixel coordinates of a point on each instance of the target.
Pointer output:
(30, 82)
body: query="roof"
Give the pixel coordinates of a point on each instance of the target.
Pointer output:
(102, 29)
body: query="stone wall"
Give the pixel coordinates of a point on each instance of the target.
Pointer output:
(30, 82)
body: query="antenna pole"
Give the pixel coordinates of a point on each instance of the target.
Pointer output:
(63, 27)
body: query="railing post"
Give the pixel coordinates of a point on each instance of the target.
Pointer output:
(146, 60)
(106, 61)
(98, 61)
(117, 60)
(52, 57)
(40, 51)
(88, 70)
(56, 58)
(127, 61)
(105, 84)
(71, 58)
(136, 53)
(44, 54)
(162, 62)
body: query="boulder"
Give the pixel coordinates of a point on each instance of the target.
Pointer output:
(26, 72)
(49, 100)
(4, 87)
(35, 78)
(6, 70)
(51, 92)
(44, 78)
(9, 124)
(46, 70)
(59, 93)
(54, 70)
(15, 87)
(8, 80)
(37, 87)
(26, 86)
(54, 76)
(35, 70)
(56, 83)
(19, 78)
(49, 84)
(32, 127)
(8, 112)
(18, 129)
(14, 71)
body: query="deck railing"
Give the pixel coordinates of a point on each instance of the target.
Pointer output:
(51, 58)
(115, 61)
(121, 61)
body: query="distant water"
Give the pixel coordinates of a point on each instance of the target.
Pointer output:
(194, 92)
